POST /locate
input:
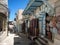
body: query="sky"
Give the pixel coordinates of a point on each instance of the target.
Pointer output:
(15, 5)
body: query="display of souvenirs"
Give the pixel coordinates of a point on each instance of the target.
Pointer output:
(58, 24)
(54, 22)
(48, 31)
(34, 30)
(23, 27)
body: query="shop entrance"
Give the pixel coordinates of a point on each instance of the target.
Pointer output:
(44, 27)
(2, 22)
(33, 29)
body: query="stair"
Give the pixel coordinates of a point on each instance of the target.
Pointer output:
(41, 41)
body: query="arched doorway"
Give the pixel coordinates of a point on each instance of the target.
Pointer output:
(2, 22)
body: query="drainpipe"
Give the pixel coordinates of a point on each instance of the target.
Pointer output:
(49, 6)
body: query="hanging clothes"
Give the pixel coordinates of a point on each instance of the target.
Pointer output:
(34, 27)
(23, 27)
(48, 31)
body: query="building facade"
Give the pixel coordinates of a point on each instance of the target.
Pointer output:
(4, 16)
(46, 11)
(19, 20)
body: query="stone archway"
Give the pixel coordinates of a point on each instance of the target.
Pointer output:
(2, 22)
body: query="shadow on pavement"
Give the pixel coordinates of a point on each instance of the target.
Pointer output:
(17, 41)
(23, 41)
(33, 43)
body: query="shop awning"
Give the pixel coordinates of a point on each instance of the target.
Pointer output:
(32, 5)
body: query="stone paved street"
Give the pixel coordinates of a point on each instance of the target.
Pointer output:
(23, 40)
(13, 39)
(8, 40)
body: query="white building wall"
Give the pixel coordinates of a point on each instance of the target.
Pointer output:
(11, 26)
(19, 19)
(20, 14)
(4, 2)
(52, 3)
(5, 24)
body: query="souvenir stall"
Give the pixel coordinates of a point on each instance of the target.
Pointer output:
(48, 28)
(34, 28)
(23, 27)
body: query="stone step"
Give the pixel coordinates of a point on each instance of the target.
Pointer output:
(37, 42)
(41, 40)
(44, 39)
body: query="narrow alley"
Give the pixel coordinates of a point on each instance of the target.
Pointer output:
(29, 22)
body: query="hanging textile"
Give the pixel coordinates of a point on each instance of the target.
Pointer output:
(48, 31)
(23, 27)
(34, 30)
